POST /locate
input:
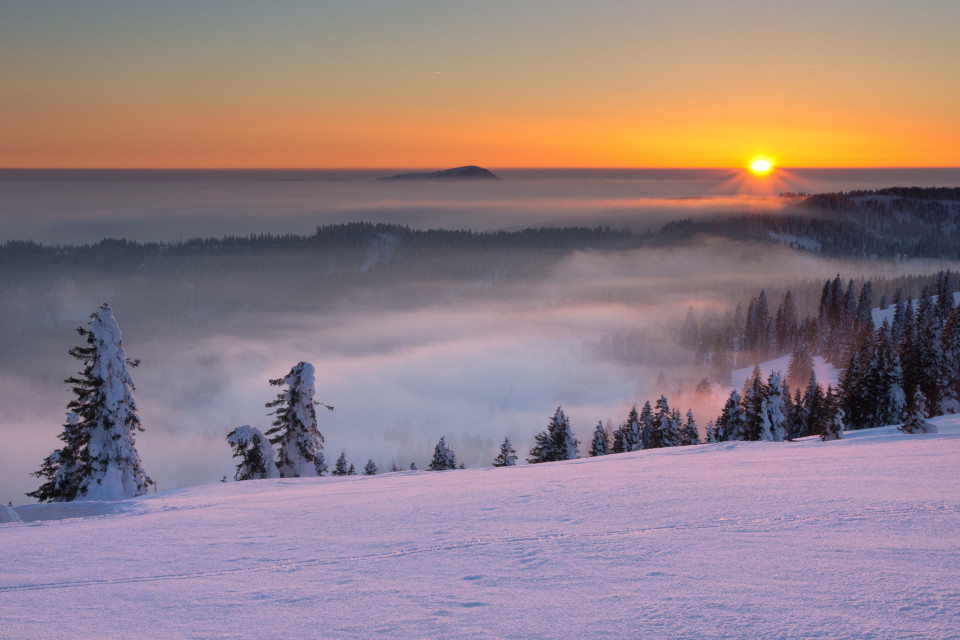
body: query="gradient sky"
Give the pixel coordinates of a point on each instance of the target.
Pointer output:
(421, 83)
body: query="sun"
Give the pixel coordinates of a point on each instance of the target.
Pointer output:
(761, 166)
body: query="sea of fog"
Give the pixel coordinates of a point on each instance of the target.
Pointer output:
(72, 207)
(404, 359)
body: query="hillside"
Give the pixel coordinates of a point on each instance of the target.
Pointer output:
(849, 539)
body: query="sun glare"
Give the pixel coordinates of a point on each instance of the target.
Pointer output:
(761, 166)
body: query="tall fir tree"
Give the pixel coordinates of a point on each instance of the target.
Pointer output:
(556, 443)
(255, 453)
(507, 456)
(99, 459)
(294, 432)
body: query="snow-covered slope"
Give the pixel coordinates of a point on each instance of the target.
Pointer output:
(826, 372)
(850, 539)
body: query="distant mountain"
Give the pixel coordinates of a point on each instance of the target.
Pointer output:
(471, 172)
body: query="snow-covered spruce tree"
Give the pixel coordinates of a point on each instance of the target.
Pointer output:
(732, 421)
(599, 445)
(796, 419)
(689, 432)
(929, 346)
(833, 426)
(443, 457)
(413, 466)
(632, 431)
(61, 468)
(507, 457)
(255, 453)
(950, 381)
(647, 428)
(370, 469)
(556, 443)
(294, 431)
(99, 459)
(394, 468)
(917, 415)
(773, 410)
(814, 408)
(754, 392)
(675, 434)
(663, 427)
(711, 436)
(352, 471)
(340, 468)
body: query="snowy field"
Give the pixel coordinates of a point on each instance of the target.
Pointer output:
(858, 538)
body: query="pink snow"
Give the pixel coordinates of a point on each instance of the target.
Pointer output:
(850, 539)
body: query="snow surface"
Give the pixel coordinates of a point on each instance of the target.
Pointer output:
(879, 315)
(855, 538)
(827, 374)
(8, 515)
(803, 242)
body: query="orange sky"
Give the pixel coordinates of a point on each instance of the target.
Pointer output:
(428, 84)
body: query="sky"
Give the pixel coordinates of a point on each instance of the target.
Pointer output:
(428, 84)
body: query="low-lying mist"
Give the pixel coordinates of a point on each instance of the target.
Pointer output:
(467, 344)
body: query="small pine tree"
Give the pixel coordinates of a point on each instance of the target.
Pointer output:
(556, 443)
(711, 433)
(413, 466)
(507, 457)
(443, 457)
(370, 469)
(689, 432)
(255, 453)
(833, 428)
(340, 469)
(917, 415)
(394, 468)
(599, 446)
(352, 471)
(732, 421)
